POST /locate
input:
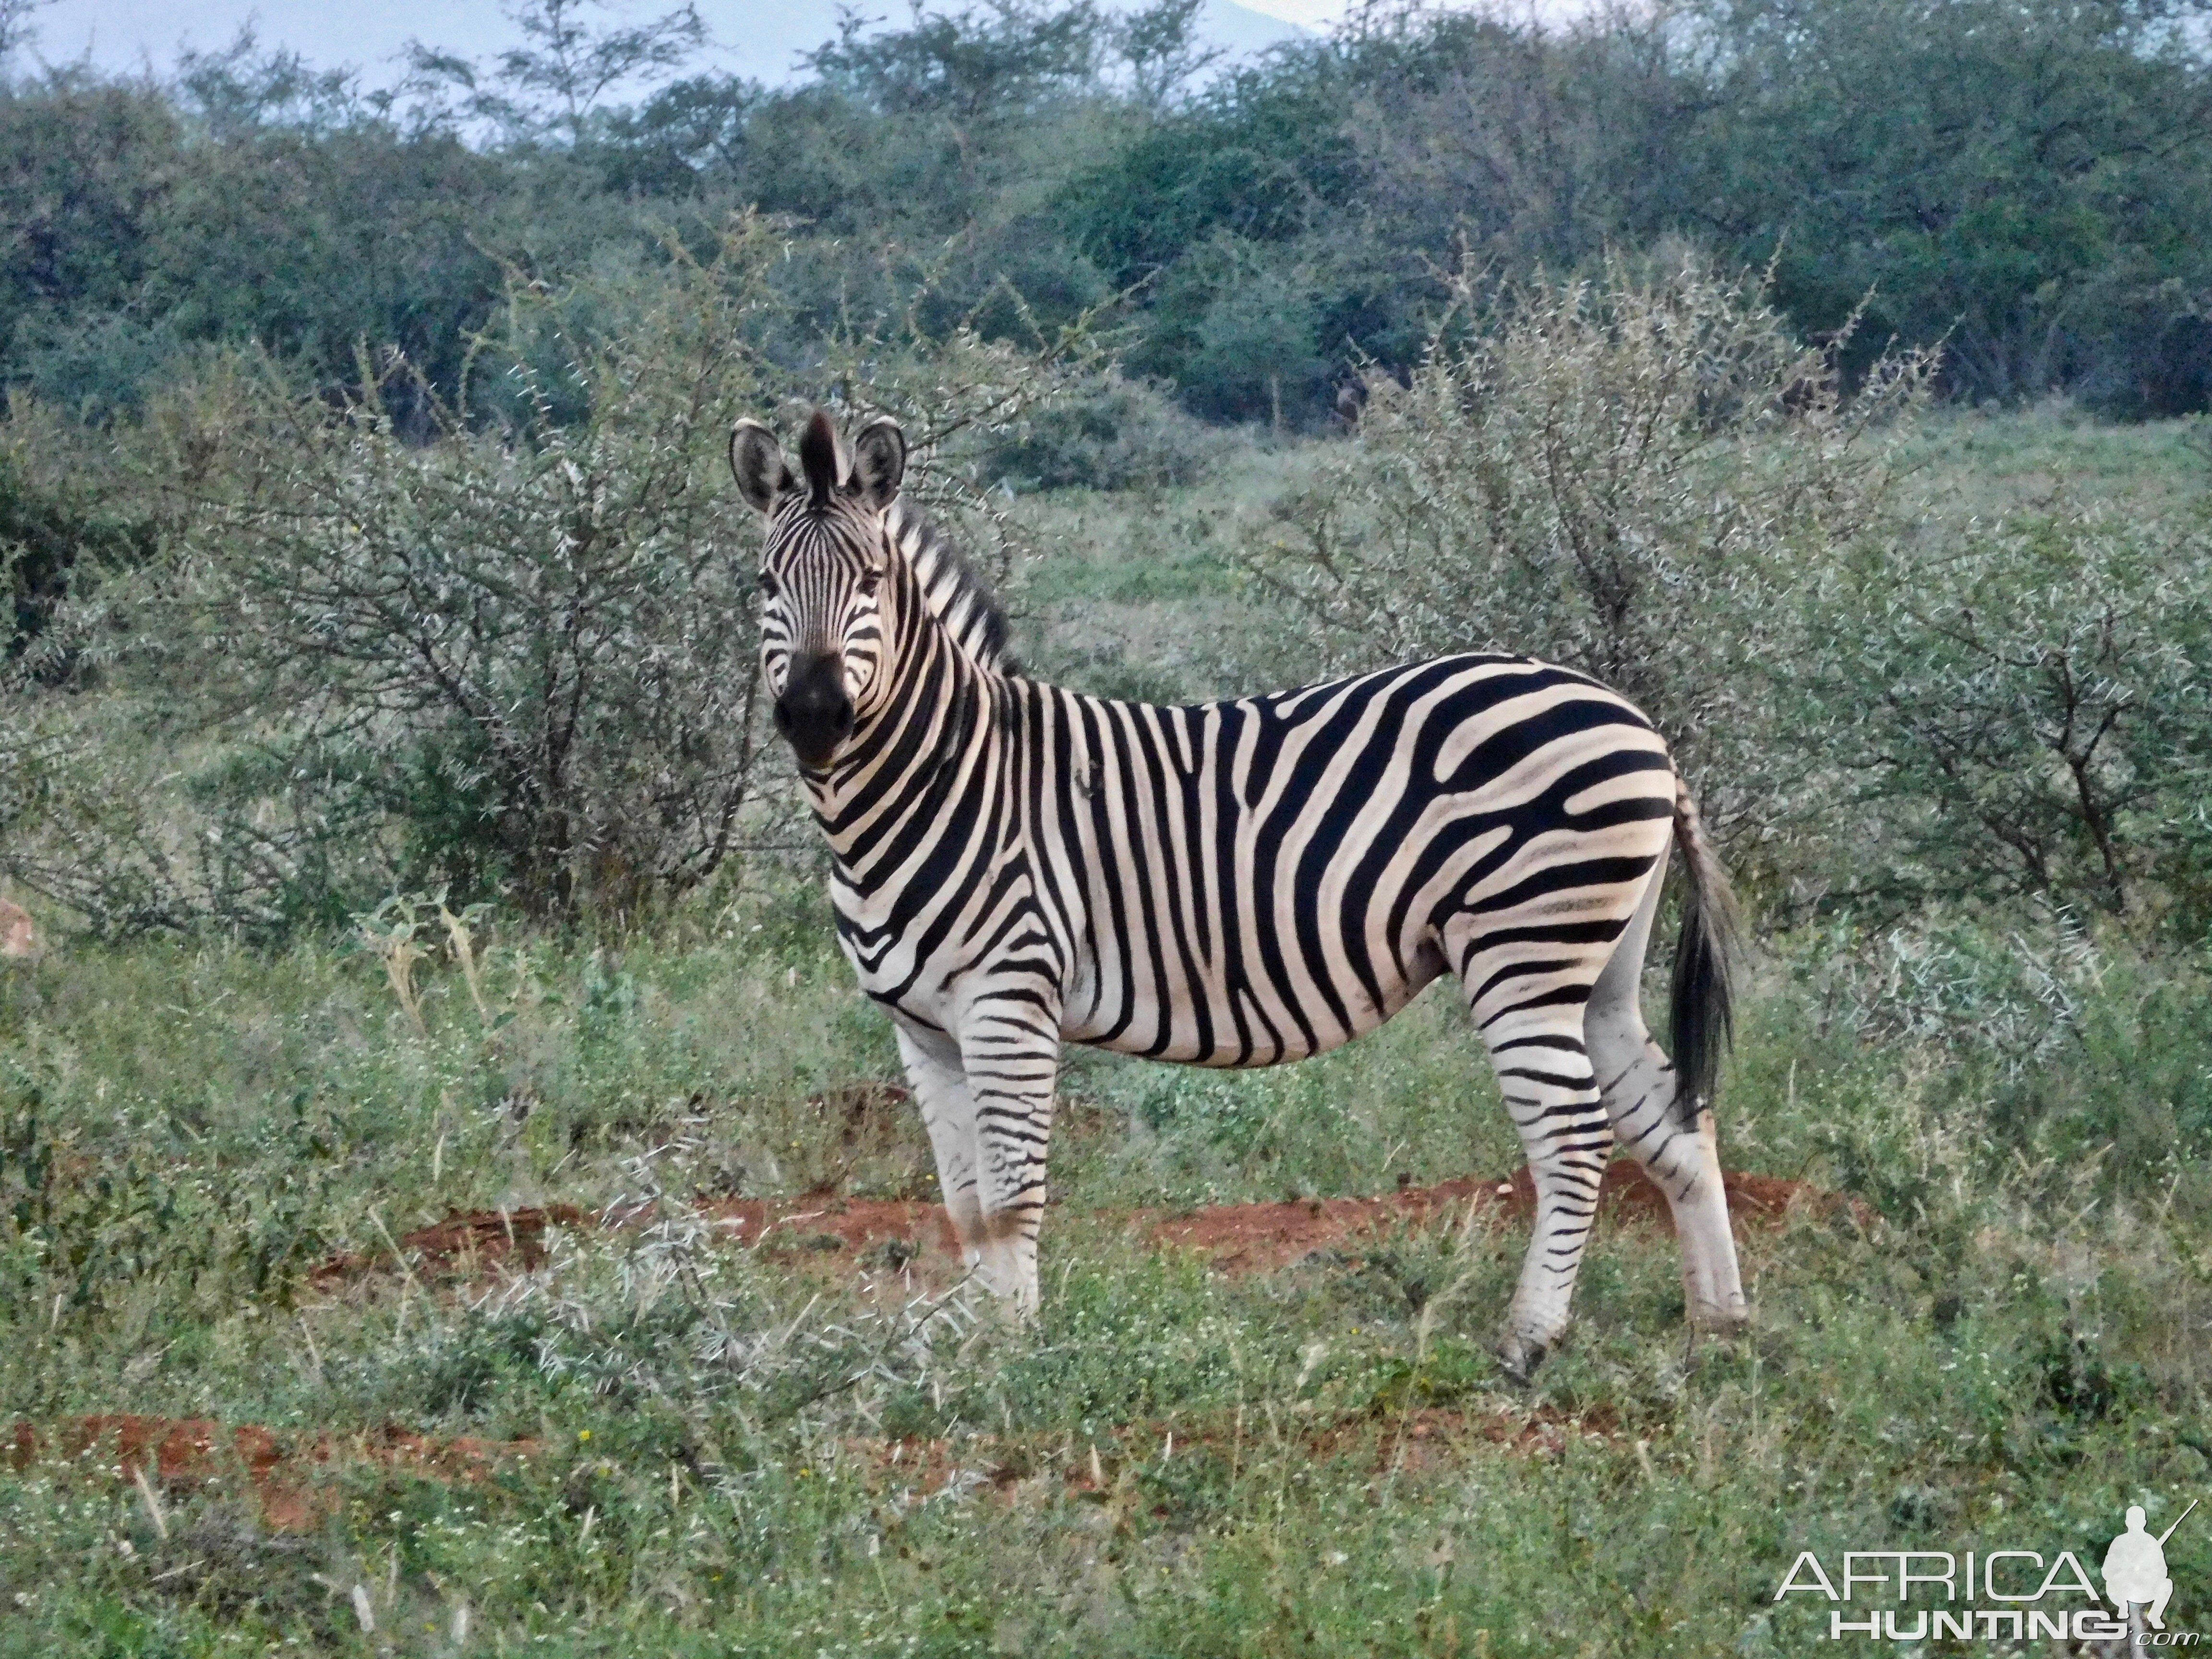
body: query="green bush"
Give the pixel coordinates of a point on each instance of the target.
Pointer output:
(517, 655)
(1118, 434)
(54, 515)
(2024, 707)
(1625, 475)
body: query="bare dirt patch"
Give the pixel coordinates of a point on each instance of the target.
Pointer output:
(281, 1466)
(1260, 1238)
(465, 1244)
(827, 1223)
(1238, 1238)
(183, 1455)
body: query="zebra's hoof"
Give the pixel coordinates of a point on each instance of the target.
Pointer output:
(1715, 1319)
(1521, 1355)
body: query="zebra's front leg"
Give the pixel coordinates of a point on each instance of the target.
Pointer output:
(1551, 1092)
(948, 1113)
(1010, 1048)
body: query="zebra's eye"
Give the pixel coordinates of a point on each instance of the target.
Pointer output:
(766, 579)
(870, 581)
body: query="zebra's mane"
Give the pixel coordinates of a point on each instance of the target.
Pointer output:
(955, 594)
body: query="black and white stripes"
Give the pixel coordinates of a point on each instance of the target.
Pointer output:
(1017, 866)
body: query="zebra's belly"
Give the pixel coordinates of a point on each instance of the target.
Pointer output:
(1243, 1021)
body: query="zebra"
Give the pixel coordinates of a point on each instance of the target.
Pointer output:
(1017, 865)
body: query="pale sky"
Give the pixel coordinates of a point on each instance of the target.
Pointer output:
(758, 38)
(1315, 15)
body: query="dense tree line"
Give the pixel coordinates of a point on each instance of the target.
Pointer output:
(2027, 181)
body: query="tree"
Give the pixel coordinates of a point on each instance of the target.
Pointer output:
(551, 85)
(16, 28)
(515, 651)
(2027, 179)
(2024, 709)
(1162, 49)
(528, 641)
(973, 69)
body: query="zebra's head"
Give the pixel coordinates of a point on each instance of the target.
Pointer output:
(822, 577)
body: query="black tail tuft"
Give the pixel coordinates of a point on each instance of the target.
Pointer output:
(1702, 1011)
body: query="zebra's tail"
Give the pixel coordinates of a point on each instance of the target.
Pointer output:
(1701, 1010)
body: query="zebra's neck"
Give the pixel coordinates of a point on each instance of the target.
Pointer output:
(950, 589)
(919, 744)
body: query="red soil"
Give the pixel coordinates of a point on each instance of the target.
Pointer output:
(1240, 1237)
(813, 1221)
(182, 1454)
(463, 1244)
(1257, 1237)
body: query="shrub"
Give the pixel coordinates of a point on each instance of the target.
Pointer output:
(2022, 1028)
(1623, 474)
(518, 655)
(2024, 708)
(1119, 434)
(52, 513)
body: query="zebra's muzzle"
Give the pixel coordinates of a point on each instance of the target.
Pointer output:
(814, 714)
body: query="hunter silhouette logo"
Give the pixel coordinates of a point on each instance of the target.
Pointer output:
(2134, 1568)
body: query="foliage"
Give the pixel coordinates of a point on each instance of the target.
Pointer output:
(136, 240)
(2030, 200)
(2019, 196)
(1119, 434)
(54, 516)
(517, 657)
(16, 28)
(2024, 707)
(531, 633)
(1623, 475)
(359, 504)
(971, 67)
(98, 814)
(548, 86)
(2085, 1039)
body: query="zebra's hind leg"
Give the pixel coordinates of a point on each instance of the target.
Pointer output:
(948, 1113)
(1679, 1152)
(1535, 1042)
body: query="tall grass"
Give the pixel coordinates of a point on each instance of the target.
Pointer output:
(719, 1450)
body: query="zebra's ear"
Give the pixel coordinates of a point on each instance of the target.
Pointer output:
(880, 461)
(757, 463)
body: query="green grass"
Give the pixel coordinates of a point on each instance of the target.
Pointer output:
(2007, 1348)
(1984, 461)
(1142, 596)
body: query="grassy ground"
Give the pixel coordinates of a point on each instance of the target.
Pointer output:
(712, 1448)
(661, 1440)
(1982, 461)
